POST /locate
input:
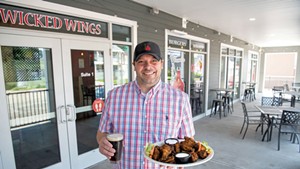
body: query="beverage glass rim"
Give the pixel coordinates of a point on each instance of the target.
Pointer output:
(115, 136)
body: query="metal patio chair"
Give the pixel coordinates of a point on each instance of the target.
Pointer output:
(251, 118)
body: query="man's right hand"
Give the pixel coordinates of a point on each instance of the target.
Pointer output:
(105, 147)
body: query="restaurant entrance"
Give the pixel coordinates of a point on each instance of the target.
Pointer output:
(49, 85)
(186, 63)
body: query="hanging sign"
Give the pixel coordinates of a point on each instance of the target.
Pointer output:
(19, 17)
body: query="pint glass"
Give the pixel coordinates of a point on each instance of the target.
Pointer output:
(116, 139)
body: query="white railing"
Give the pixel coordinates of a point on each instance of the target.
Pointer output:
(271, 81)
(28, 107)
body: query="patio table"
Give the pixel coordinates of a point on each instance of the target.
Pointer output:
(220, 90)
(272, 115)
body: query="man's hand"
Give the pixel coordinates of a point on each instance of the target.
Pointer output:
(105, 147)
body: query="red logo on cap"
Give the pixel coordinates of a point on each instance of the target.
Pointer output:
(147, 48)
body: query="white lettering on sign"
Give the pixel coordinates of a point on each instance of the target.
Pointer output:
(198, 45)
(85, 74)
(80, 26)
(175, 42)
(16, 17)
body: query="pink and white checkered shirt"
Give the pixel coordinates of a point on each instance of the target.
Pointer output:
(164, 112)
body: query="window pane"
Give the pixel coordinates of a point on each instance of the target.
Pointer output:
(121, 33)
(179, 43)
(121, 64)
(198, 46)
(30, 96)
(88, 85)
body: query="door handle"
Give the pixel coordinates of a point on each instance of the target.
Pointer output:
(60, 114)
(71, 112)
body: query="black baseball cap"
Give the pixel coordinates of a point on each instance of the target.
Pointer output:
(147, 47)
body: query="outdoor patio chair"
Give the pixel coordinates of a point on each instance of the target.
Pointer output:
(87, 95)
(251, 118)
(271, 102)
(195, 100)
(228, 102)
(249, 94)
(217, 104)
(289, 124)
(268, 101)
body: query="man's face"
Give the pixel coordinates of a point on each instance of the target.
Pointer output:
(148, 70)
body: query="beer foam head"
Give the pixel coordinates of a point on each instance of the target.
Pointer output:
(115, 137)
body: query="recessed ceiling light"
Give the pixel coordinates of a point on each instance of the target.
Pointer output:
(252, 19)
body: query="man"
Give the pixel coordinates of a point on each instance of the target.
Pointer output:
(146, 110)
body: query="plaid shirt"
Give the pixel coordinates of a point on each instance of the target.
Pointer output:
(164, 112)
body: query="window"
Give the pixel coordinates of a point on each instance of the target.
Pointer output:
(231, 68)
(252, 66)
(121, 33)
(121, 64)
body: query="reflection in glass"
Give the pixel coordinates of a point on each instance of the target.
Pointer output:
(230, 73)
(88, 76)
(121, 64)
(176, 61)
(31, 106)
(223, 71)
(121, 33)
(237, 77)
(88, 85)
(234, 74)
(230, 69)
(253, 70)
(197, 81)
(197, 68)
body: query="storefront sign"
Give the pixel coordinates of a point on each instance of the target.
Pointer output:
(19, 17)
(198, 46)
(176, 42)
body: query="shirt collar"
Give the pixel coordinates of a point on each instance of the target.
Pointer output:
(153, 90)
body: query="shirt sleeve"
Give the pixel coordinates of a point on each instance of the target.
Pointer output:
(105, 124)
(187, 126)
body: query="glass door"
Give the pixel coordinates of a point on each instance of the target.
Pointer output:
(252, 67)
(32, 94)
(197, 82)
(231, 61)
(233, 75)
(186, 68)
(49, 87)
(85, 80)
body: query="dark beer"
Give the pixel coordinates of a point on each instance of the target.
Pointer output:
(116, 140)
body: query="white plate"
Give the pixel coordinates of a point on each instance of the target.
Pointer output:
(198, 162)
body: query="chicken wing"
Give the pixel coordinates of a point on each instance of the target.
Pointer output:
(156, 153)
(166, 150)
